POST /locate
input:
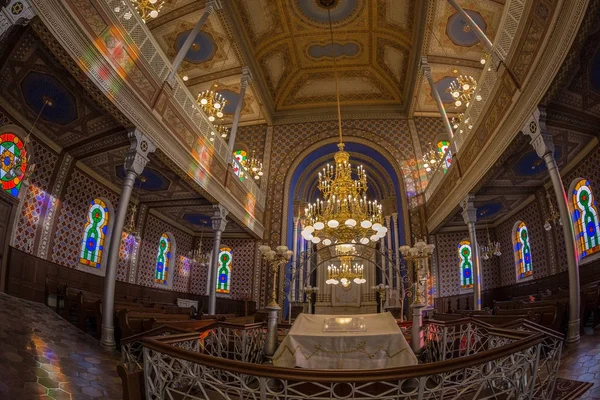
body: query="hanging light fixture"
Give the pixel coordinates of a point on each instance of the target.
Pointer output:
(344, 215)
(345, 273)
(254, 166)
(491, 249)
(462, 89)
(553, 214)
(430, 158)
(147, 9)
(197, 255)
(212, 103)
(131, 228)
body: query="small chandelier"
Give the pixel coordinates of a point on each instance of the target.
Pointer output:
(222, 130)
(554, 215)
(131, 228)
(491, 249)
(212, 103)
(458, 119)
(147, 9)
(345, 273)
(462, 90)
(430, 158)
(197, 255)
(254, 166)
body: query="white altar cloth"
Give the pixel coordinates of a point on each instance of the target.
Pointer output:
(307, 345)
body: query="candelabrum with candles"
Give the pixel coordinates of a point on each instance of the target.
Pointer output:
(417, 255)
(381, 289)
(212, 103)
(553, 214)
(197, 255)
(275, 259)
(309, 291)
(345, 273)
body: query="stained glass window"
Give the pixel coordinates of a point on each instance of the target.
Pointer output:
(466, 264)
(522, 250)
(96, 227)
(163, 260)
(224, 270)
(585, 218)
(13, 163)
(241, 157)
(444, 152)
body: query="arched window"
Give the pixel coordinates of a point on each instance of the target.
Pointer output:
(522, 249)
(13, 162)
(94, 234)
(241, 157)
(444, 153)
(224, 270)
(465, 262)
(585, 217)
(163, 260)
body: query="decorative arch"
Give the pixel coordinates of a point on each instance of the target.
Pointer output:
(165, 261)
(224, 268)
(95, 239)
(465, 264)
(522, 251)
(584, 214)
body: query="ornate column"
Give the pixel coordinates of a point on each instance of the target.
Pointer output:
(390, 266)
(219, 222)
(17, 12)
(397, 252)
(301, 273)
(541, 141)
(135, 162)
(383, 262)
(294, 269)
(437, 98)
(470, 216)
(211, 5)
(246, 79)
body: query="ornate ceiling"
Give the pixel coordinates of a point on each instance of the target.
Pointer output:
(287, 45)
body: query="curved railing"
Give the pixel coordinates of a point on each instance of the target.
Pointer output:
(502, 365)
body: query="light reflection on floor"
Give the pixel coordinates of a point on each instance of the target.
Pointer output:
(42, 356)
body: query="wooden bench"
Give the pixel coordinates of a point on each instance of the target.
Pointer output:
(130, 323)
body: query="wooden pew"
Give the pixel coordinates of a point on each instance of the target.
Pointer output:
(130, 323)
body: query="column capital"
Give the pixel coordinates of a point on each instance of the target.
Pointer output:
(246, 76)
(395, 217)
(387, 220)
(16, 12)
(219, 220)
(140, 147)
(469, 213)
(535, 128)
(213, 5)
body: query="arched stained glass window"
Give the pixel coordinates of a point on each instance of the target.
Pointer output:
(241, 156)
(522, 250)
(465, 262)
(163, 260)
(224, 270)
(585, 218)
(13, 159)
(94, 234)
(444, 153)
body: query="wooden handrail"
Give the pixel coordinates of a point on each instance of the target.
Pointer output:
(525, 340)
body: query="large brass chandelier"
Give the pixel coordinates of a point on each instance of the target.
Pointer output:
(344, 214)
(345, 273)
(212, 103)
(147, 9)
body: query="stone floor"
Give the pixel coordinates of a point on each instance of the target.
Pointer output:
(581, 362)
(42, 356)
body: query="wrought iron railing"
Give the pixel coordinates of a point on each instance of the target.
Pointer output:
(138, 35)
(498, 364)
(503, 49)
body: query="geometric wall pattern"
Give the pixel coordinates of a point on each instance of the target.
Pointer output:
(155, 227)
(35, 196)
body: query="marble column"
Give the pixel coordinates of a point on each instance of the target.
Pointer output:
(219, 222)
(16, 12)
(383, 261)
(437, 98)
(245, 80)
(211, 5)
(469, 215)
(541, 140)
(396, 253)
(302, 266)
(390, 266)
(294, 268)
(136, 159)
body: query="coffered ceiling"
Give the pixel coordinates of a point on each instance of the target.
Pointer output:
(287, 45)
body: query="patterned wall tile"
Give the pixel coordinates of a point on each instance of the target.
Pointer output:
(430, 129)
(81, 189)
(253, 137)
(36, 196)
(155, 227)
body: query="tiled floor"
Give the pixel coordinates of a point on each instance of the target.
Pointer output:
(581, 362)
(42, 356)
